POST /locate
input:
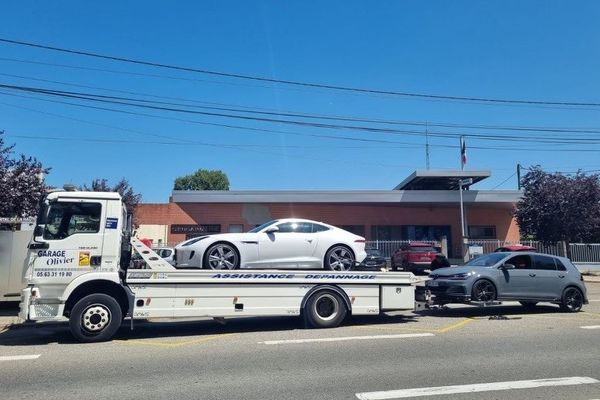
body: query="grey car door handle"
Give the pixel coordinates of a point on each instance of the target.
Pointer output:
(561, 276)
(532, 275)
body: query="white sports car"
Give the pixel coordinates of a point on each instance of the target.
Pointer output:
(284, 243)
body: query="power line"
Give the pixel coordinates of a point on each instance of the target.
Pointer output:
(296, 83)
(265, 111)
(133, 102)
(387, 143)
(503, 182)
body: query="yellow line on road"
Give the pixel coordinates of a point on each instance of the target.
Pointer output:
(457, 325)
(439, 330)
(142, 342)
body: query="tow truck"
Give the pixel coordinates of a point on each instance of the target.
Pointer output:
(79, 270)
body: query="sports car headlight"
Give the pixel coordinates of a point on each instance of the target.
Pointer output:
(460, 277)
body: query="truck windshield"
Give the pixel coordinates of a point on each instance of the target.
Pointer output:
(66, 219)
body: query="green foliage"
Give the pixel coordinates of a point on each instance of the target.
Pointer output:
(203, 179)
(557, 207)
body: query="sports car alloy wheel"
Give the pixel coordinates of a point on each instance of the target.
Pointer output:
(222, 256)
(339, 258)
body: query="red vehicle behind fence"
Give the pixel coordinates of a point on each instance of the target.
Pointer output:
(417, 257)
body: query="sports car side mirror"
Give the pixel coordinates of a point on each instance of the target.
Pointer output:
(272, 229)
(507, 266)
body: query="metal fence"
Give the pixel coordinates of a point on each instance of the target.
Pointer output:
(489, 245)
(577, 252)
(585, 252)
(388, 247)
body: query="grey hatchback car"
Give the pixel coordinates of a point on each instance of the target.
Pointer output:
(529, 278)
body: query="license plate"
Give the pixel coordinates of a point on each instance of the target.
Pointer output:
(433, 283)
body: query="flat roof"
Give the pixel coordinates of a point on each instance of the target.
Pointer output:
(505, 198)
(439, 179)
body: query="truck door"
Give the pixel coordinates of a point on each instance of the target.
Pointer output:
(70, 243)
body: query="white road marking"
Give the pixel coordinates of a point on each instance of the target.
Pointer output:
(346, 338)
(479, 387)
(590, 327)
(593, 300)
(18, 358)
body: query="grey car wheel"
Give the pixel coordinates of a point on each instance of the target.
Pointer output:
(222, 256)
(572, 300)
(339, 258)
(483, 290)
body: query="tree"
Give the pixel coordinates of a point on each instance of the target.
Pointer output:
(21, 183)
(557, 207)
(130, 198)
(203, 179)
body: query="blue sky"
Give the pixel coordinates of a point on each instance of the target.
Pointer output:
(542, 50)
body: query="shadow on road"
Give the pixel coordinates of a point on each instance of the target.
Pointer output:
(34, 334)
(470, 311)
(9, 309)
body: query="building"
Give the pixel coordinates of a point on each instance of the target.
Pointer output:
(425, 206)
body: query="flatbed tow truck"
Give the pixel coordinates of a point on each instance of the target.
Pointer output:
(79, 270)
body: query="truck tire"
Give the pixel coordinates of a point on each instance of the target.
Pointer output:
(325, 309)
(95, 318)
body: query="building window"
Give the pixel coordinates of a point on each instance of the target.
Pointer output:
(356, 229)
(482, 231)
(236, 228)
(386, 232)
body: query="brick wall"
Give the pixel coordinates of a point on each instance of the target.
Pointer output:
(335, 214)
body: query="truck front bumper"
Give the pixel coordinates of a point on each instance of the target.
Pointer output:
(33, 308)
(24, 304)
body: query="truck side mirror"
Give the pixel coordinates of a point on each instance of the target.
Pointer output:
(38, 231)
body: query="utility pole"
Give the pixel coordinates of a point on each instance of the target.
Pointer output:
(427, 144)
(519, 176)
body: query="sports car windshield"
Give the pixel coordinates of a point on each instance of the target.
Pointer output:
(263, 226)
(486, 261)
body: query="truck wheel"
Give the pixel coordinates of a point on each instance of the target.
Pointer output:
(325, 309)
(95, 318)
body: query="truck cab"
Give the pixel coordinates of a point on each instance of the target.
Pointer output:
(78, 245)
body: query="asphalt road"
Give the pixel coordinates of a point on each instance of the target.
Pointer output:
(516, 355)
